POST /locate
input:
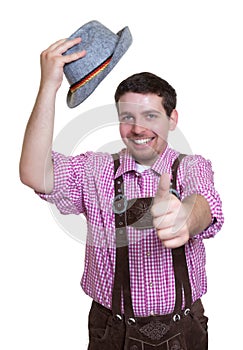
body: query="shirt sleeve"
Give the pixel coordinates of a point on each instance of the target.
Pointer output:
(67, 193)
(197, 176)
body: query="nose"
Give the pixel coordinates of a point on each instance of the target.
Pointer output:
(138, 128)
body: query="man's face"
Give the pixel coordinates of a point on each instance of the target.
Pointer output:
(144, 125)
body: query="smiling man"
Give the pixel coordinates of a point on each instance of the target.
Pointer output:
(145, 276)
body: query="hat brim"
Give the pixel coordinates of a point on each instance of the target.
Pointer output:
(78, 96)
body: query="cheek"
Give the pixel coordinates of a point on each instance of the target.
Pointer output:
(124, 130)
(162, 131)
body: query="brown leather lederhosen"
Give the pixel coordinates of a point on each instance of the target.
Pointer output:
(110, 329)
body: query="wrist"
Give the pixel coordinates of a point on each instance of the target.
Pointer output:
(198, 214)
(48, 87)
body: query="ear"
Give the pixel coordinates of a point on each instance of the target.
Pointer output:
(173, 120)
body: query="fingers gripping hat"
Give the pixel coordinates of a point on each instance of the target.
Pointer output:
(103, 51)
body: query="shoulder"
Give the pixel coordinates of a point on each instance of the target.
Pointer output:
(81, 166)
(195, 169)
(83, 159)
(191, 161)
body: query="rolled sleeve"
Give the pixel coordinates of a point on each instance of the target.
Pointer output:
(67, 191)
(198, 178)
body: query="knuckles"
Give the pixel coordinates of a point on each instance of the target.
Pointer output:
(170, 222)
(176, 236)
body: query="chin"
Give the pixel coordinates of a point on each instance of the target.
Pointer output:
(144, 159)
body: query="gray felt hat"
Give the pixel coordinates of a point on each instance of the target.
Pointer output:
(103, 50)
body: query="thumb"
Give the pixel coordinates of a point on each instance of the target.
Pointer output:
(163, 187)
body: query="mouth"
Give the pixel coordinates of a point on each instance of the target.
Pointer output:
(142, 141)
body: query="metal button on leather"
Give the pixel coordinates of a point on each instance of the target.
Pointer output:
(134, 347)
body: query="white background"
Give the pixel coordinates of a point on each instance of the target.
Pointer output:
(197, 47)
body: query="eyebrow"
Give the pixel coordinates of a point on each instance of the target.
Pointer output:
(151, 111)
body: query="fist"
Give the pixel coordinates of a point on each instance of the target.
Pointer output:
(169, 216)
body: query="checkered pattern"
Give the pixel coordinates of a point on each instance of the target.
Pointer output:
(85, 184)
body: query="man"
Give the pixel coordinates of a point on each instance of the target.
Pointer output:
(146, 106)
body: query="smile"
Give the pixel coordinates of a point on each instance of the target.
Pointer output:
(142, 141)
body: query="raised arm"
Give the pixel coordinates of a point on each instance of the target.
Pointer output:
(36, 168)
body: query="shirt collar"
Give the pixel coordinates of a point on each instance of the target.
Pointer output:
(127, 163)
(160, 166)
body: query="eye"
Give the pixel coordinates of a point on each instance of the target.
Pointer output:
(151, 116)
(127, 118)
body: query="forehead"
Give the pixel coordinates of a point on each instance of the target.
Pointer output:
(134, 102)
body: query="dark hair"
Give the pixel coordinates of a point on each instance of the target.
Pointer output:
(148, 83)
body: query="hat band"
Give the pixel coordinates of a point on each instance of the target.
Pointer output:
(90, 76)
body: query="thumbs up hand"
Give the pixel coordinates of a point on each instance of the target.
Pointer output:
(169, 216)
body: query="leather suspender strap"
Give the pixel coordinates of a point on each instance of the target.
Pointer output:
(122, 278)
(122, 275)
(175, 169)
(182, 281)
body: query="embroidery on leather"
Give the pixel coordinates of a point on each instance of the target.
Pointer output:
(155, 330)
(138, 214)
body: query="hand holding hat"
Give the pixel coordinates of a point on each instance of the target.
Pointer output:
(53, 61)
(103, 51)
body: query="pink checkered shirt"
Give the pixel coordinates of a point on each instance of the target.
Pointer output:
(85, 184)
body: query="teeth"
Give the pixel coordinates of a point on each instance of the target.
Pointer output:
(142, 141)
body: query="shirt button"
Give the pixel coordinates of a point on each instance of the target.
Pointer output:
(148, 253)
(152, 313)
(151, 284)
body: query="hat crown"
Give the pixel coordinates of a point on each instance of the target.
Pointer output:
(99, 43)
